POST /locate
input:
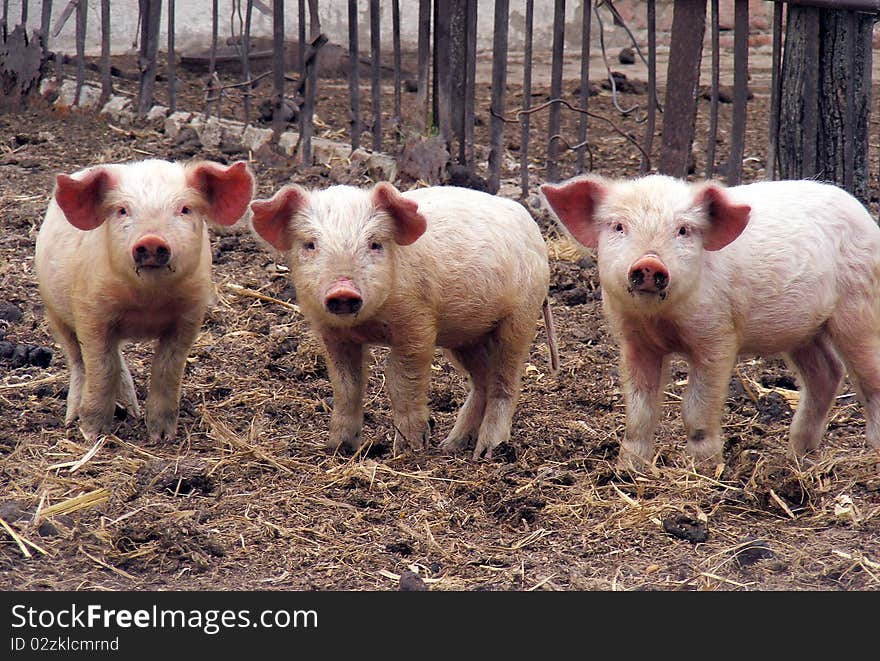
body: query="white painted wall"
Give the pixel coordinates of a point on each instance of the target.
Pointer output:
(193, 23)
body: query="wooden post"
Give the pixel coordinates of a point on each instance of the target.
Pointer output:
(151, 14)
(499, 82)
(354, 75)
(555, 89)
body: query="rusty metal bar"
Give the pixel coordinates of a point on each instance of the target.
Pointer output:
(651, 121)
(499, 82)
(526, 100)
(277, 66)
(172, 78)
(713, 101)
(685, 53)
(354, 75)
(311, 76)
(555, 89)
(106, 78)
(584, 97)
(376, 74)
(775, 81)
(424, 54)
(466, 151)
(81, 22)
(740, 90)
(395, 40)
(850, 120)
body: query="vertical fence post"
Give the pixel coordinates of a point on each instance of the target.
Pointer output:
(740, 91)
(395, 27)
(278, 66)
(442, 84)
(849, 121)
(45, 20)
(555, 89)
(354, 75)
(81, 22)
(775, 64)
(24, 13)
(584, 96)
(151, 13)
(422, 120)
(651, 122)
(499, 82)
(525, 122)
(171, 66)
(106, 79)
(376, 74)
(311, 74)
(4, 21)
(466, 152)
(713, 101)
(301, 29)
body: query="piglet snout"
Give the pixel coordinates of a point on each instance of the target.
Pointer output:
(151, 250)
(648, 274)
(343, 298)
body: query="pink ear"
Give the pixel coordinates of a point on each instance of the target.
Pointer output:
(726, 219)
(272, 217)
(574, 202)
(228, 189)
(409, 224)
(80, 199)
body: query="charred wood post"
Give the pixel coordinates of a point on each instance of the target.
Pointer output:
(151, 13)
(499, 82)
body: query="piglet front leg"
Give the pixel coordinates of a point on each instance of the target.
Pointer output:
(407, 378)
(346, 364)
(643, 373)
(169, 361)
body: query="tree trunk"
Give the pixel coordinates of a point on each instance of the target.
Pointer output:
(826, 97)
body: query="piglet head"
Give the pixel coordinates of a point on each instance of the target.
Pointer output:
(651, 233)
(342, 245)
(153, 213)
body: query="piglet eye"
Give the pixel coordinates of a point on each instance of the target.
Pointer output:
(618, 227)
(682, 231)
(375, 246)
(309, 245)
(184, 210)
(121, 211)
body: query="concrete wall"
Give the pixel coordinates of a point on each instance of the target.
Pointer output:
(193, 21)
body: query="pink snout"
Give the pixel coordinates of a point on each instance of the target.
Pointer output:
(151, 251)
(343, 298)
(648, 274)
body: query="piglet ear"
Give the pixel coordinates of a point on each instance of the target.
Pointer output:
(81, 199)
(409, 224)
(727, 220)
(574, 202)
(272, 217)
(228, 189)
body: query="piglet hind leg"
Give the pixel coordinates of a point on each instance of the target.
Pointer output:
(65, 336)
(820, 372)
(508, 348)
(643, 374)
(703, 405)
(473, 361)
(407, 379)
(346, 364)
(169, 361)
(861, 355)
(100, 385)
(127, 395)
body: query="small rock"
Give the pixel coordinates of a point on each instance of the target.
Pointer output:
(13, 510)
(684, 527)
(9, 312)
(6, 349)
(401, 548)
(410, 582)
(753, 550)
(40, 356)
(19, 356)
(627, 56)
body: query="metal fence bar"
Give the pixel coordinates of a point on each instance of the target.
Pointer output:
(584, 96)
(106, 78)
(525, 122)
(424, 54)
(499, 81)
(470, 85)
(278, 121)
(172, 77)
(651, 120)
(395, 31)
(376, 74)
(775, 64)
(81, 18)
(740, 90)
(555, 89)
(354, 76)
(712, 138)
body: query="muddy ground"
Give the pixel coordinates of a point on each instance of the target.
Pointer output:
(248, 498)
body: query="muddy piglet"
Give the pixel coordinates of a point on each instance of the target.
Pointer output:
(786, 268)
(442, 266)
(124, 254)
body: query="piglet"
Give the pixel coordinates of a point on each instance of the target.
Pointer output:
(707, 272)
(442, 266)
(123, 254)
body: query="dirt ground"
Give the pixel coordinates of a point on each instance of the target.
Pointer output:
(246, 497)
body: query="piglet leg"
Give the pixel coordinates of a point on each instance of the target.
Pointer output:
(708, 384)
(346, 364)
(407, 378)
(643, 375)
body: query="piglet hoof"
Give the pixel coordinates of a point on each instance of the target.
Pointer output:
(483, 450)
(344, 442)
(630, 462)
(162, 425)
(417, 440)
(451, 445)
